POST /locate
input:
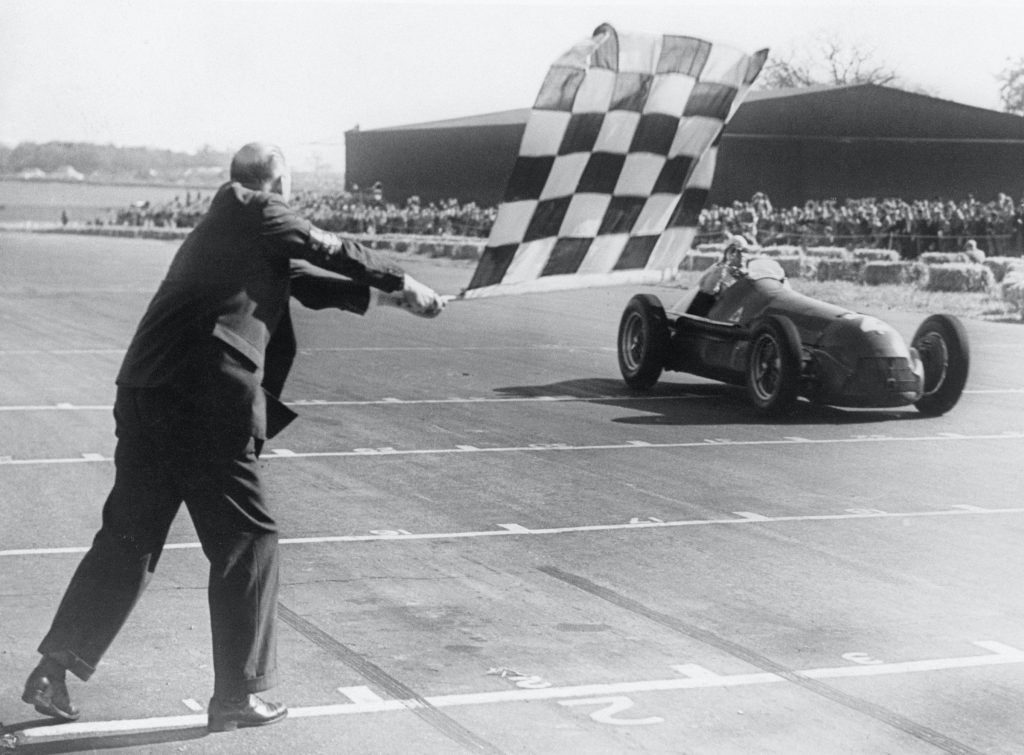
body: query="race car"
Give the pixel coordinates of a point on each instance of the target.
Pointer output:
(782, 345)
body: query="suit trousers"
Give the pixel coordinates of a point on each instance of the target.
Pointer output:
(169, 451)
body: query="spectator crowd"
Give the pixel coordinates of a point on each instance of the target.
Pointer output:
(909, 226)
(344, 212)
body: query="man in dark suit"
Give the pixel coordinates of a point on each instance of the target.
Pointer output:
(197, 395)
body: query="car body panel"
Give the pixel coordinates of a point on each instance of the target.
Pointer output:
(848, 359)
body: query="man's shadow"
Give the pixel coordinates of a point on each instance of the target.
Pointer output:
(697, 403)
(97, 742)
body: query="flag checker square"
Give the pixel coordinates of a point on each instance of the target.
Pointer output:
(615, 163)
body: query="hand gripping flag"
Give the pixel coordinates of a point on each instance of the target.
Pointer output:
(615, 163)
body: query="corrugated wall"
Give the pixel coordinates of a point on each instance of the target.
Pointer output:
(848, 142)
(469, 164)
(792, 171)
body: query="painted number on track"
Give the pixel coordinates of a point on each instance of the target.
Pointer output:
(612, 707)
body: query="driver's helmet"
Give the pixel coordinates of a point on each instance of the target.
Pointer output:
(735, 254)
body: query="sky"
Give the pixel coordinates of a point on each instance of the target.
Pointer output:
(180, 75)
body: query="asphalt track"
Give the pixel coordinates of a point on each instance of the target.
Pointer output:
(491, 546)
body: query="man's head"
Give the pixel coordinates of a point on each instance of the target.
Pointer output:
(735, 253)
(262, 167)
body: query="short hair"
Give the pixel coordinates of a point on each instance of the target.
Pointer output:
(256, 164)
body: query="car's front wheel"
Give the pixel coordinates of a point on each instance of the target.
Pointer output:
(941, 342)
(773, 366)
(643, 341)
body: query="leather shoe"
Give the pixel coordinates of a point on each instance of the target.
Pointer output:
(47, 691)
(228, 715)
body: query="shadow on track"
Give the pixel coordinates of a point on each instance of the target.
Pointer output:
(704, 403)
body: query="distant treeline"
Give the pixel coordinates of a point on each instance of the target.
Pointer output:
(105, 158)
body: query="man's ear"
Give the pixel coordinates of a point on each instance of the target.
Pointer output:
(282, 185)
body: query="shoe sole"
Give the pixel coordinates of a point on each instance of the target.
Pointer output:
(47, 708)
(220, 725)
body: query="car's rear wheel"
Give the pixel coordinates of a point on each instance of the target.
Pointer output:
(941, 342)
(643, 341)
(773, 366)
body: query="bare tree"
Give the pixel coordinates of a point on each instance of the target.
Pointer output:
(1011, 86)
(831, 62)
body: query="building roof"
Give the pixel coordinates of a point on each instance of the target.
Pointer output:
(868, 111)
(515, 117)
(823, 111)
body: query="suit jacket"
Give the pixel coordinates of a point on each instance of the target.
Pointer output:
(218, 328)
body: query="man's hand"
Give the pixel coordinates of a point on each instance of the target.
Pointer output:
(416, 298)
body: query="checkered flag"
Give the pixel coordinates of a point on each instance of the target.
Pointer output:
(615, 164)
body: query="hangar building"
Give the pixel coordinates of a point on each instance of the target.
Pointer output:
(821, 142)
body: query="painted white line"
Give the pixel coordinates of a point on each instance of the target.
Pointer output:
(750, 515)
(65, 406)
(361, 695)
(543, 447)
(10, 461)
(699, 680)
(46, 551)
(62, 407)
(1001, 654)
(391, 401)
(58, 352)
(560, 347)
(193, 705)
(694, 671)
(343, 349)
(997, 647)
(517, 530)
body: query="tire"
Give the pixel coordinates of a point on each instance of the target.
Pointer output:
(773, 366)
(941, 342)
(643, 342)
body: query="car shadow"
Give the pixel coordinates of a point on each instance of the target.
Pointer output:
(698, 403)
(126, 741)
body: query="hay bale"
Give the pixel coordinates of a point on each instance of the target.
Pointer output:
(466, 251)
(781, 250)
(970, 277)
(1001, 266)
(944, 258)
(699, 260)
(826, 251)
(1012, 288)
(837, 270)
(798, 266)
(875, 255)
(882, 273)
(790, 265)
(716, 247)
